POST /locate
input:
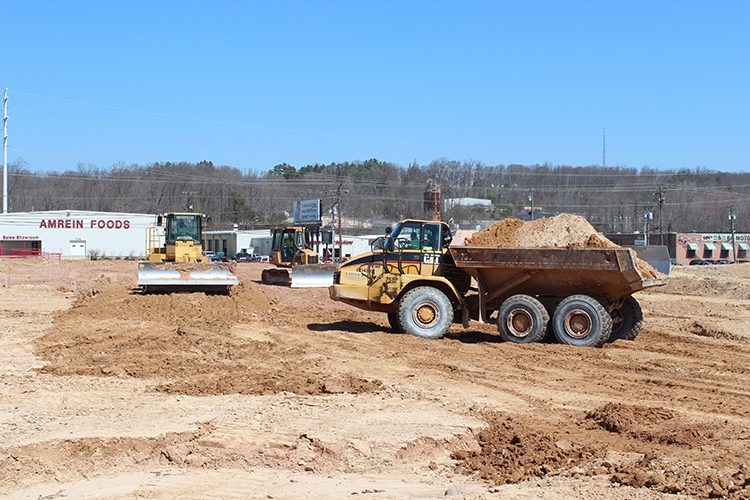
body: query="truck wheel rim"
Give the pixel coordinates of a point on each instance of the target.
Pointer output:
(578, 323)
(617, 319)
(519, 323)
(426, 314)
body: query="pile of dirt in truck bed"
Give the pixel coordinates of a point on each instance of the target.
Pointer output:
(564, 230)
(186, 342)
(560, 231)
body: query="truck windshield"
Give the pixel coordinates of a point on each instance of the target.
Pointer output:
(414, 235)
(183, 228)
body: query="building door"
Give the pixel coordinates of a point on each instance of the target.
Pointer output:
(77, 249)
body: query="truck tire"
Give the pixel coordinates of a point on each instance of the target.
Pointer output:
(522, 319)
(627, 321)
(581, 320)
(394, 322)
(425, 312)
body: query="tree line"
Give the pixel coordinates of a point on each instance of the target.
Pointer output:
(378, 192)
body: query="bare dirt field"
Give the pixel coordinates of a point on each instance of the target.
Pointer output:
(278, 393)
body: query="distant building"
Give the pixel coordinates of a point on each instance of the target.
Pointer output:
(685, 247)
(451, 203)
(74, 234)
(230, 242)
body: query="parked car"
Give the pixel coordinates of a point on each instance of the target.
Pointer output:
(218, 257)
(243, 257)
(700, 262)
(722, 261)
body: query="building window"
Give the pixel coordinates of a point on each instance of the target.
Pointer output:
(708, 249)
(725, 248)
(691, 249)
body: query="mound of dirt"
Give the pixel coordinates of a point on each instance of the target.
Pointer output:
(685, 479)
(510, 452)
(62, 460)
(184, 342)
(560, 231)
(616, 417)
(706, 329)
(109, 300)
(683, 282)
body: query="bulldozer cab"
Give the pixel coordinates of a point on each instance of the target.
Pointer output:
(291, 246)
(183, 227)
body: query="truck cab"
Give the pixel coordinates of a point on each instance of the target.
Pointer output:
(414, 256)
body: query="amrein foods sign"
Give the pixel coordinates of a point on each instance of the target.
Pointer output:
(78, 224)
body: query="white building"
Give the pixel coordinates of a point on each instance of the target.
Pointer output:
(451, 203)
(259, 242)
(231, 242)
(75, 234)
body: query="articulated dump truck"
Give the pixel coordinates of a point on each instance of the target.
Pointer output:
(178, 264)
(577, 296)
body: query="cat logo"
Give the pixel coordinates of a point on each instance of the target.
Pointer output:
(431, 258)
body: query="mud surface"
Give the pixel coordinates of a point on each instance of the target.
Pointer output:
(284, 393)
(560, 231)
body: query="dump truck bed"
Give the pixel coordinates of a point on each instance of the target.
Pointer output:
(557, 272)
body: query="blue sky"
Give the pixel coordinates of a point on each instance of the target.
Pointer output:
(253, 84)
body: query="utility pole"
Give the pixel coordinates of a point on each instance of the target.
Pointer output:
(338, 212)
(604, 147)
(189, 199)
(660, 200)
(5, 151)
(647, 216)
(732, 218)
(531, 203)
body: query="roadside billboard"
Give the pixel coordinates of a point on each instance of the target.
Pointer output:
(308, 211)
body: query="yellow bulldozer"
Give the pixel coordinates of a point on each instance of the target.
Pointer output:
(297, 263)
(178, 264)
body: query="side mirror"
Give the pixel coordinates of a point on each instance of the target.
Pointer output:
(159, 220)
(377, 244)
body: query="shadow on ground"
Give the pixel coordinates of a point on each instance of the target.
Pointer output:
(469, 337)
(348, 326)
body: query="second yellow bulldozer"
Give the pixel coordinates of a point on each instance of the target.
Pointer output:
(297, 263)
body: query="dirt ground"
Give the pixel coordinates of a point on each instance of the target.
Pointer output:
(279, 393)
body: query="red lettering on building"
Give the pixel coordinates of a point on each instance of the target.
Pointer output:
(78, 224)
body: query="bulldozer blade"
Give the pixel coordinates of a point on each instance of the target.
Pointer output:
(313, 276)
(276, 276)
(187, 276)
